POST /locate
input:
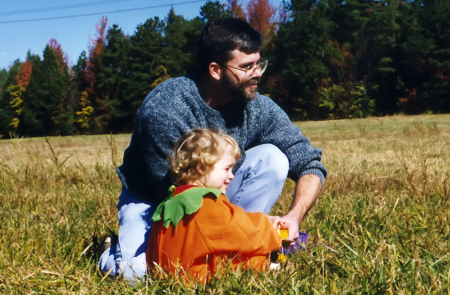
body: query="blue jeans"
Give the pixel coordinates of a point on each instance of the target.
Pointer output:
(255, 187)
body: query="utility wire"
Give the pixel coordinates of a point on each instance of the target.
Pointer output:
(44, 9)
(97, 13)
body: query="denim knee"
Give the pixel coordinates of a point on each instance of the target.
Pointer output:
(275, 160)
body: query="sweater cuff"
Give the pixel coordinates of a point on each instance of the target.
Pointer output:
(314, 171)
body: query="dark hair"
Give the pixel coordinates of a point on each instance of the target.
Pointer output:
(220, 37)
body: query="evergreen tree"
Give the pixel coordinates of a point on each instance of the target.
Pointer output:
(370, 30)
(180, 43)
(298, 56)
(411, 60)
(436, 89)
(144, 63)
(111, 74)
(44, 108)
(3, 78)
(212, 10)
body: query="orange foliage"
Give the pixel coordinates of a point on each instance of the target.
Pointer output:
(236, 9)
(95, 50)
(23, 76)
(60, 56)
(261, 15)
(441, 76)
(347, 52)
(410, 95)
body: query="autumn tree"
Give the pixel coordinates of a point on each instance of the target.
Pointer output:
(23, 76)
(6, 113)
(85, 116)
(61, 57)
(16, 94)
(235, 8)
(261, 16)
(90, 77)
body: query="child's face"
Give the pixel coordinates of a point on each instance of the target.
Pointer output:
(221, 175)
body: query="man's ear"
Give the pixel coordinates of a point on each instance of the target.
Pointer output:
(215, 71)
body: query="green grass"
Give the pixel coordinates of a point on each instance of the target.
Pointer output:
(380, 226)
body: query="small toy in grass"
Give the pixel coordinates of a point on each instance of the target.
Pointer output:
(284, 233)
(279, 257)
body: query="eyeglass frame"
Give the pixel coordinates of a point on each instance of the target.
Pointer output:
(253, 67)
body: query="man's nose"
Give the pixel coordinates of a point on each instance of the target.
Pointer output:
(257, 73)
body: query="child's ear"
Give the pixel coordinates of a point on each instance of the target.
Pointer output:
(200, 168)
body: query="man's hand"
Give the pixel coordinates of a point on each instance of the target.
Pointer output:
(306, 193)
(286, 223)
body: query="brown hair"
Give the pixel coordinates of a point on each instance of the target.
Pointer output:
(199, 146)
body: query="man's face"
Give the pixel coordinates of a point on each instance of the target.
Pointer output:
(237, 80)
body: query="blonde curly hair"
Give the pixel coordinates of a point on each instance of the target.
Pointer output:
(201, 146)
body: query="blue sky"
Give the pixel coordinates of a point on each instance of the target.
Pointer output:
(17, 35)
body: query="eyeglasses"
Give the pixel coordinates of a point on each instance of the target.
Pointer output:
(262, 65)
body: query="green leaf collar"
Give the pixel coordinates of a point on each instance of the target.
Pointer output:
(187, 202)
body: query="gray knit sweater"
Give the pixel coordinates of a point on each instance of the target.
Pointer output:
(175, 107)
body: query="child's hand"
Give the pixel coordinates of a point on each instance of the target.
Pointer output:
(291, 226)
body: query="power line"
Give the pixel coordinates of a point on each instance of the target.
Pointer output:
(98, 13)
(85, 4)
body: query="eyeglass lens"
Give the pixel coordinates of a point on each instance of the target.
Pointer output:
(261, 64)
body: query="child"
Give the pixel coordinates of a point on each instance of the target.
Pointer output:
(196, 227)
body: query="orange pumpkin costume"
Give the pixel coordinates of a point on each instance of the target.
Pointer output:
(203, 238)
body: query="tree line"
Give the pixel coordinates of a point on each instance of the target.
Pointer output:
(328, 59)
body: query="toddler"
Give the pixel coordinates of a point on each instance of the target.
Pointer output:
(196, 228)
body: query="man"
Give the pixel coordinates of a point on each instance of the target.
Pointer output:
(223, 95)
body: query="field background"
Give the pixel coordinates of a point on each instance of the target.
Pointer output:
(380, 226)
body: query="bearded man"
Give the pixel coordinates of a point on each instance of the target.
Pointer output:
(223, 95)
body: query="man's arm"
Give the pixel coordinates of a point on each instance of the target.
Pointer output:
(304, 162)
(306, 193)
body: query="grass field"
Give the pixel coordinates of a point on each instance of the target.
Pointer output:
(380, 226)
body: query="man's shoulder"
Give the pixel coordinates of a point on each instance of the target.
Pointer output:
(170, 94)
(264, 104)
(172, 87)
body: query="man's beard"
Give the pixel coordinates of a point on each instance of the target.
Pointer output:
(239, 90)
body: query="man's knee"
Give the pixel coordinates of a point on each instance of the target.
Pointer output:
(274, 160)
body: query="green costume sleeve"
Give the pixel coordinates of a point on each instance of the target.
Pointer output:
(188, 202)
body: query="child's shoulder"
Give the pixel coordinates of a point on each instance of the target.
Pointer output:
(182, 201)
(193, 191)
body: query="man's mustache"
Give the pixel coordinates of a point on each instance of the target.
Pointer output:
(253, 81)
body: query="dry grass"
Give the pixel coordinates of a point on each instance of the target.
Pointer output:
(380, 226)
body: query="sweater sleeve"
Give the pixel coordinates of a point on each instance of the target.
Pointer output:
(276, 128)
(228, 228)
